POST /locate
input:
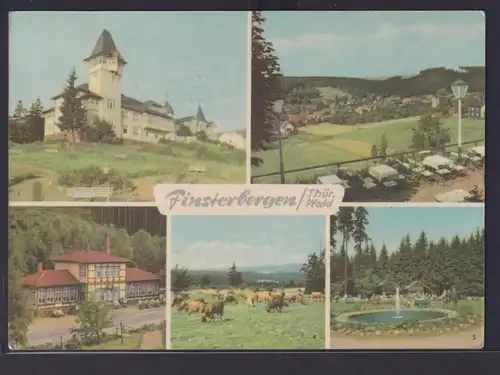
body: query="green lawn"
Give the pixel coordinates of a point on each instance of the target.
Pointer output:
(399, 135)
(144, 164)
(307, 150)
(130, 342)
(135, 160)
(298, 327)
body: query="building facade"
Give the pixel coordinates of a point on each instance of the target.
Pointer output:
(132, 119)
(477, 110)
(86, 274)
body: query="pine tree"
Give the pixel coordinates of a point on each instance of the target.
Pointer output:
(73, 114)
(265, 84)
(235, 277)
(19, 111)
(36, 109)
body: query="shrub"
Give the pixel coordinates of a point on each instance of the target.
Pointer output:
(95, 176)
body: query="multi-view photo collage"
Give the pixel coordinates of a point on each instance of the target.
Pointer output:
(389, 106)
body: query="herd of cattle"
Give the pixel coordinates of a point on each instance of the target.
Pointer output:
(213, 310)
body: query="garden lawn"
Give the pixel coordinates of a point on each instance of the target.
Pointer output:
(298, 327)
(316, 145)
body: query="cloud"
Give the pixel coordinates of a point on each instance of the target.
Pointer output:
(210, 255)
(386, 32)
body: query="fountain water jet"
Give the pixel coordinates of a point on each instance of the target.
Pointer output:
(398, 304)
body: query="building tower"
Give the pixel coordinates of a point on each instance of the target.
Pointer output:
(105, 65)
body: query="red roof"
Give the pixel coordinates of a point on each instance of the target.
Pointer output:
(50, 278)
(136, 274)
(89, 256)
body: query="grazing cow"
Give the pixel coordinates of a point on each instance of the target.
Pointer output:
(276, 304)
(317, 296)
(177, 301)
(213, 311)
(252, 300)
(183, 306)
(230, 299)
(195, 307)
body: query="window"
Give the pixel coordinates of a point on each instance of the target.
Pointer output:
(124, 114)
(135, 130)
(111, 104)
(125, 130)
(98, 270)
(83, 272)
(135, 116)
(156, 135)
(147, 134)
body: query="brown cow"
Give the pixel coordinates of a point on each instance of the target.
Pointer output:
(231, 299)
(317, 296)
(213, 311)
(252, 300)
(195, 307)
(277, 303)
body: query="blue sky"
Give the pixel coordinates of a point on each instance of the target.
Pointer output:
(212, 242)
(389, 224)
(189, 58)
(375, 43)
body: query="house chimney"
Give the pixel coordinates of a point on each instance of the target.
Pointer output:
(107, 242)
(39, 267)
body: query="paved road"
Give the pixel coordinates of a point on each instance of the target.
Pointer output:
(53, 334)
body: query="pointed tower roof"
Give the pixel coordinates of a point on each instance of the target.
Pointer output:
(104, 46)
(200, 115)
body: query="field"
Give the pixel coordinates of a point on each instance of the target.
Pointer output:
(143, 164)
(328, 143)
(301, 326)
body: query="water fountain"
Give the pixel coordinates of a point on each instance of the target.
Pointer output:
(398, 305)
(389, 316)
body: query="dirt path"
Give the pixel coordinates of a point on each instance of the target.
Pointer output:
(470, 339)
(151, 341)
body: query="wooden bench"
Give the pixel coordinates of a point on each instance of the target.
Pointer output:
(90, 192)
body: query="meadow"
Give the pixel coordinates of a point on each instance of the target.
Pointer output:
(329, 143)
(300, 326)
(143, 164)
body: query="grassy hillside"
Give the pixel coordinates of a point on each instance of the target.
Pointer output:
(427, 82)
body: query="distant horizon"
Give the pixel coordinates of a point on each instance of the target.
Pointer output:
(383, 77)
(246, 268)
(374, 43)
(248, 241)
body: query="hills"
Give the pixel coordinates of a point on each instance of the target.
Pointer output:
(281, 273)
(426, 82)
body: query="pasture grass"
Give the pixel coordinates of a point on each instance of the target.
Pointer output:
(330, 143)
(297, 327)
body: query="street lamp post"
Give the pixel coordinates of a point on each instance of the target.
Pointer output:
(459, 89)
(278, 107)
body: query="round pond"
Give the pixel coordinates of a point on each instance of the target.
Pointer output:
(391, 317)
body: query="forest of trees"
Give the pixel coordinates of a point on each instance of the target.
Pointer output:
(427, 82)
(38, 234)
(311, 278)
(456, 262)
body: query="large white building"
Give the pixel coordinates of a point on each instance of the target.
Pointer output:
(132, 119)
